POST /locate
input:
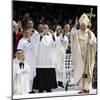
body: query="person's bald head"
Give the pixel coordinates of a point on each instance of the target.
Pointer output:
(45, 26)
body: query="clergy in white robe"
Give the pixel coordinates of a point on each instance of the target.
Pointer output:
(60, 52)
(83, 43)
(67, 30)
(46, 76)
(28, 45)
(20, 74)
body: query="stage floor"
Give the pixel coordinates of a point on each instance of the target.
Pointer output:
(55, 93)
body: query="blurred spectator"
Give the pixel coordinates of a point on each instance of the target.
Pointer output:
(17, 35)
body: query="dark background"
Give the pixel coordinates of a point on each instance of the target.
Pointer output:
(53, 13)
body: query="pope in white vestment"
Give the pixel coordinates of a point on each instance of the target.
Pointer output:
(20, 77)
(83, 42)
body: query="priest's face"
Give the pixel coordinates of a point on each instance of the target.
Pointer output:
(45, 28)
(83, 27)
(30, 24)
(66, 27)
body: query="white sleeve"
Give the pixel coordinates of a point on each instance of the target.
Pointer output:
(73, 34)
(92, 39)
(37, 43)
(73, 30)
(20, 45)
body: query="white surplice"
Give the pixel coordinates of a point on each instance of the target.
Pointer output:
(45, 52)
(20, 78)
(60, 51)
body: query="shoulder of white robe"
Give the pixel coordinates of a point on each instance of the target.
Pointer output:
(21, 41)
(93, 37)
(21, 44)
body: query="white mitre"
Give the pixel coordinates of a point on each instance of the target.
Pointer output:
(84, 19)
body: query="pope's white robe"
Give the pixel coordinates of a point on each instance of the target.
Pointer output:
(60, 51)
(20, 78)
(83, 64)
(30, 48)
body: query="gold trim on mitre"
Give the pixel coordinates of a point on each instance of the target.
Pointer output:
(84, 19)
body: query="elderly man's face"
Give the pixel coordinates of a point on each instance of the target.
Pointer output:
(83, 27)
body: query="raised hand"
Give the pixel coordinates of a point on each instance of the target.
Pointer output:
(76, 21)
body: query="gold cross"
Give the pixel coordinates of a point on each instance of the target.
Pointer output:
(91, 14)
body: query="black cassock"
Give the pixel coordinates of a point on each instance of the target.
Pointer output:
(45, 79)
(45, 74)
